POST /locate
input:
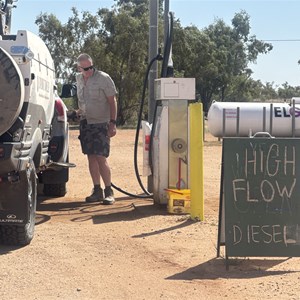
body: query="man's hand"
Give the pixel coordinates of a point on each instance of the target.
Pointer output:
(72, 115)
(112, 129)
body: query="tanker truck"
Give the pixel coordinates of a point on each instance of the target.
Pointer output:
(33, 130)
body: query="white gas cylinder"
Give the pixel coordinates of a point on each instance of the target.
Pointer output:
(250, 118)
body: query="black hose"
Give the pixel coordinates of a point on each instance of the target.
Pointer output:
(4, 5)
(2, 20)
(158, 57)
(148, 195)
(164, 73)
(168, 47)
(129, 194)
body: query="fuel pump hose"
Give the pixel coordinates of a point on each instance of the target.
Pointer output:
(165, 72)
(138, 126)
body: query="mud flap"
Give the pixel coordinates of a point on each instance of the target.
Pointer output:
(14, 201)
(18, 209)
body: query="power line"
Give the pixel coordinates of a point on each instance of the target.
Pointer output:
(287, 40)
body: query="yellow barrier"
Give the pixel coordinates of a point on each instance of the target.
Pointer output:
(196, 161)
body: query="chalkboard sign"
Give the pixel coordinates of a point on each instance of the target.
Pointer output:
(262, 196)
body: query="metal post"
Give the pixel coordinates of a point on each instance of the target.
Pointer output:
(237, 121)
(293, 119)
(224, 121)
(153, 49)
(271, 119)
(152, 52)
(221, 234)
(264, 119)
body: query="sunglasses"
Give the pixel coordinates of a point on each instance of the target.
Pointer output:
(87, 68)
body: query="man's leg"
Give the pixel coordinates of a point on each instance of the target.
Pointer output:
(104, 169)
(97, 194)
(94, 168)
(106, 176)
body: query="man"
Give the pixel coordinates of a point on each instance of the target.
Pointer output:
(98, 112)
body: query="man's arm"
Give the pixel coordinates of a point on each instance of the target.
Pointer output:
(113, 115)
(113, 107)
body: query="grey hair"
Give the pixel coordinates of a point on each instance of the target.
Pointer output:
(84, 57)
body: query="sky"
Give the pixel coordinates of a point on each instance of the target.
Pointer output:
(276, 22)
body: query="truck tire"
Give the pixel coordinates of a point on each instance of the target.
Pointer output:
(55, 189)
(21, 235)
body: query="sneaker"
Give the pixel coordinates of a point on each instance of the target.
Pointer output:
(96, 196)
(109, 197)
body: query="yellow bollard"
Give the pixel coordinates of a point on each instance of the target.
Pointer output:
(196, 161)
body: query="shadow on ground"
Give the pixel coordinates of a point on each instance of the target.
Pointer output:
(238, 269)
(125, 209)
(7, 249)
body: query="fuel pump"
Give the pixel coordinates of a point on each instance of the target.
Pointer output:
(170, 153)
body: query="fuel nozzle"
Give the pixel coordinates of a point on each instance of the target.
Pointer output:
(170, 67)
(159, 55)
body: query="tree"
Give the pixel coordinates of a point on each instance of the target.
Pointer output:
(66, 41)
(219, 54)
(268, 92)
(125, 29)
(116, 39)
(125, 42)
(243, 89)
(287, 92)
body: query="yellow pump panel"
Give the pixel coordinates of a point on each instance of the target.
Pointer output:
(196, 161)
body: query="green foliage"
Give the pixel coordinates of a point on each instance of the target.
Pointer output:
(116, 39)
(287, 92)
(66, 41)
(69, 102)
(126, 47)
(217, 56)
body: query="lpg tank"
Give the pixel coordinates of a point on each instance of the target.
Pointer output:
(275, 118)
(11, 91)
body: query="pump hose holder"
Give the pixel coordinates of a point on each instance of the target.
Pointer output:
(178, 145)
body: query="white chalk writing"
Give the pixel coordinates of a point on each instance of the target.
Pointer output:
(271, 162)
(265, 174)
(265, 234)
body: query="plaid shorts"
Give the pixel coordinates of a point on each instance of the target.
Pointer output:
(94, 139)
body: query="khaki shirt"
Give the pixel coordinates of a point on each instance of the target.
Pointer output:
(92, 97)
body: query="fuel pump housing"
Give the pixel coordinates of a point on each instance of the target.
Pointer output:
(170, 154)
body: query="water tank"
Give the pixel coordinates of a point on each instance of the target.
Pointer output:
(11, 91)
(247, 118)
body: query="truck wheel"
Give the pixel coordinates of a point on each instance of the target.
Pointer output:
(55, 190)
(21, 235)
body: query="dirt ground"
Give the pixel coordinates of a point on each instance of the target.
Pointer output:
(134, 249)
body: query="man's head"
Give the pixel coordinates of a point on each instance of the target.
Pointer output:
(85, 65)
